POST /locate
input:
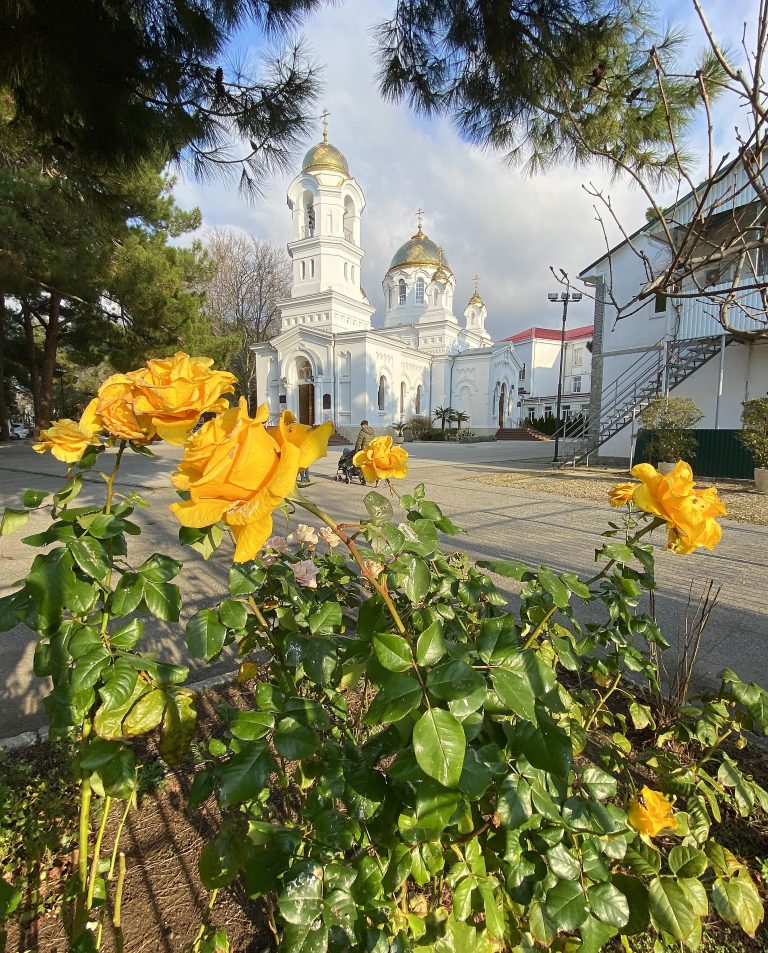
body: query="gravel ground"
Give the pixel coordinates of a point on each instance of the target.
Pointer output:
(741, 499)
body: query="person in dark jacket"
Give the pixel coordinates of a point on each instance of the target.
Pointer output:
(365, 436)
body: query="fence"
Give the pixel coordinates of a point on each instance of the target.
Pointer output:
(719, 453)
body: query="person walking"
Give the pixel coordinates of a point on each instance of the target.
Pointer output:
(365, 436)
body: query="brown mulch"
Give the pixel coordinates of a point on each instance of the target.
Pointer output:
(741, 499)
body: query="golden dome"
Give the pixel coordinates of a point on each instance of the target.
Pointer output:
(476, 300)
(419, 250)
(325, 156)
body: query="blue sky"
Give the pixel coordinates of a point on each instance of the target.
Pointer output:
(491, 220)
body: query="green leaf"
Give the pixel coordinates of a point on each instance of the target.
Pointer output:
(118, 776)
(178, 728)
(476, 776)
(128, 635)
(326, 620)
(546, 746)
(160, 568)
(566, 905)
(595, 934)
(737, 901)
(222, 858)
(127, 595)
(399, 696)
(454, 680)
(109, 718)
(88, 668)
(393, 651)
(10, 898)
(301, 900)
(49, 583)
(252, 725)
(555, 587)
(244, 578)
(378, 507)
(670, 908)
(205, 635)
(430, 647)
(608, 904)
(69, 491)
(562, 862)
(687, 861)
(163, 600)
(412, 576)
(12, 521)
(642, 859)
(91, 557)
(637, 899)
(146, 714)
(233, 614)
(204, 541)
(103, 525)
(245, 775)
(294, 740)
(33, 498)
(307, 937)
(504, 567)
(119, 684)
(598, 784)
(439, 744)
(367, 885)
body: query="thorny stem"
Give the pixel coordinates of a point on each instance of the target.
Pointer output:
(206, 920)
(350, 544)
(539, 628)
(119, 890)
(113, 475)
(84, 830)
(97, 853)
(285, 671)
(118, 835)
(603, 700)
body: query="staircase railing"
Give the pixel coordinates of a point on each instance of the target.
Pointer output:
(660, 368)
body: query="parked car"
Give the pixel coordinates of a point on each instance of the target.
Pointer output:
(18, 431)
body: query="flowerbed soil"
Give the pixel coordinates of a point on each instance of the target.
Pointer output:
(164, 901)
(741, 499)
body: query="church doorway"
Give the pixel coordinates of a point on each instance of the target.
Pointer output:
(502, 402)
(306, 392)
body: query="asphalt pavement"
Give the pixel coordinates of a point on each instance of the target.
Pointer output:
(514, 522)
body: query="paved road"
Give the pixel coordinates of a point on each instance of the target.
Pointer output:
(516, 522)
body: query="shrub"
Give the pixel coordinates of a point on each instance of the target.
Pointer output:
(754, 436)
(670, 420)
(418, 425)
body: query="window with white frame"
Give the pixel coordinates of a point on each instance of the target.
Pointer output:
(401, 291)
(311, 267)
(303, 270)
(522, 373)
(419, 291)
(575, 385)
(578, 357)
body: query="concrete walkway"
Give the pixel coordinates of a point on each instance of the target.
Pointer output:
(516, 522)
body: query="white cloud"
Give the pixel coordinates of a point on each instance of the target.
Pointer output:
(490, 219)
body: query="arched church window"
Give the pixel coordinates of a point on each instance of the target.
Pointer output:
(402, 399)
(389, 298)
(304, 370)
(303, 270)
(401, 291)
(418, 400)
(311, 267)
(419, 291)
(349, 215)
(382, 393)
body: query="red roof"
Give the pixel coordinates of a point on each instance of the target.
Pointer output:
(552, 334)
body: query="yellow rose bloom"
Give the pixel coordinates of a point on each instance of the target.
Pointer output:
(650, 812)
(163, 400)
(67, 440)
(381, 461)
(236, 471)
(311, 441)
(622, 493)
(688, 511)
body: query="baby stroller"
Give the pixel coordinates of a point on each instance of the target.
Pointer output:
(346, 471)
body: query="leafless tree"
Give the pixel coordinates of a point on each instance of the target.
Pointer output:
(710, 243)
(250, 278)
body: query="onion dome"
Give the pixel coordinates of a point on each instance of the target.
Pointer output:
(442, 273)
(476, 300)
(419, 250)
(325, 157)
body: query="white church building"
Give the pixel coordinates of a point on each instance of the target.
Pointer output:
(330, 363)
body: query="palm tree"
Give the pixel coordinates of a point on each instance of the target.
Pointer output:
(444, 415)
(460, 418)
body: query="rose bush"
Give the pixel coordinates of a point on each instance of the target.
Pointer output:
(420, 767)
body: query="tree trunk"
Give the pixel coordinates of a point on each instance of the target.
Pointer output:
(50, 347)
(34, 380)
(4, 428)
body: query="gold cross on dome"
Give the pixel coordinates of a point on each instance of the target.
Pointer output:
(476, 280)
(325, 115)
(419, 216)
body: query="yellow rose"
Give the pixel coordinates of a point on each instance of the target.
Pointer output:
(236, 471)
(688, 511)
(621, 493)
(381, 461)
(311, 441)
(68, 439)
(163, 400)
(650, 812)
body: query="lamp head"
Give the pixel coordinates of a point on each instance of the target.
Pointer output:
(563, 295)
(552, 296)
(576, 296)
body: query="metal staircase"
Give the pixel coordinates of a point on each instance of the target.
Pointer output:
(657, 371)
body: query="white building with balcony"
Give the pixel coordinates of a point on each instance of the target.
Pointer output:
(675, 344)
(539, 351)
(330, 363)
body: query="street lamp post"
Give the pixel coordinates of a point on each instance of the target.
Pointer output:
(564, 296)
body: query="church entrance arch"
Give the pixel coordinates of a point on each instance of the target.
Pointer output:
(306, 391)
(502, 404)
